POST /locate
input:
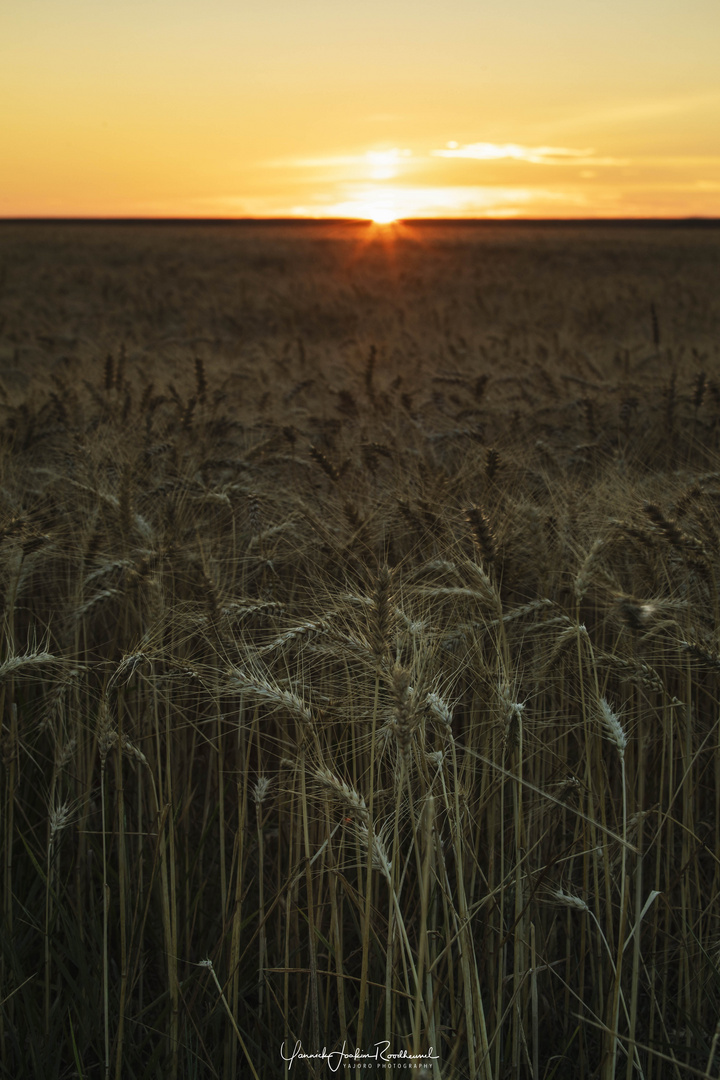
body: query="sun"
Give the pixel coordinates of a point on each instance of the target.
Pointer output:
(380, 211)
(383, 207)
(382, 215)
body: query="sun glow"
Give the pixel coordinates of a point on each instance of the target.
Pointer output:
(389, 203)
(384, 164)
(381, 205)
(381, 215)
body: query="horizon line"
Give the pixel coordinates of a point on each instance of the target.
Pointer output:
(693, 220)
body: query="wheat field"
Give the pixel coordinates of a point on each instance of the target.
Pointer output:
(360, 651)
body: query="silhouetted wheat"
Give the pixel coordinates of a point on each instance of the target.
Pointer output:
(408, 736)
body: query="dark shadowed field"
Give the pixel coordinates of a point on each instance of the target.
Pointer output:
(360, 652)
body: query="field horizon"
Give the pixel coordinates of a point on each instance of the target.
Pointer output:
(360, 668)
(689, 221)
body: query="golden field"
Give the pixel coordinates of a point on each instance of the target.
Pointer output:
(361, 650)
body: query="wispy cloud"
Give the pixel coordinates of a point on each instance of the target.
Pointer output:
(478, 179)
(534, 155)
(384, 203)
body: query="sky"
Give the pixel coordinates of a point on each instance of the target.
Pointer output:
(374, 109)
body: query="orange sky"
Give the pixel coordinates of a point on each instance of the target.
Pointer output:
(566, 108)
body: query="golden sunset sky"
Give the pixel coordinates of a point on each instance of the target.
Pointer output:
(379, 108)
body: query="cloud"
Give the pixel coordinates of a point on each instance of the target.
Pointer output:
(457, 201)
(534, 155)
